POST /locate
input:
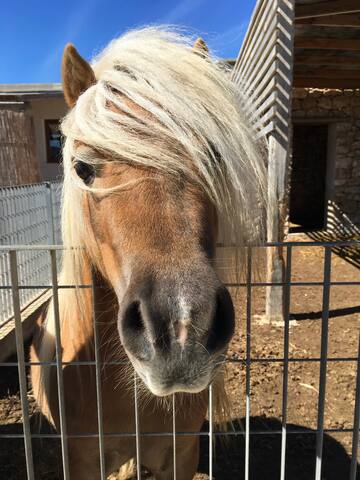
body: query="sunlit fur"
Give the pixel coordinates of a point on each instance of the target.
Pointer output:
(194, 111)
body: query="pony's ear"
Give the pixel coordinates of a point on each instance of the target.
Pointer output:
(77, 75)
(200, 47)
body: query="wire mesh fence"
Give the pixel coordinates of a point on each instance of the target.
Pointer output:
(29, 215)
(16, 285)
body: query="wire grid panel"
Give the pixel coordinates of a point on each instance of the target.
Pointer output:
(29, 215)
(15, 287)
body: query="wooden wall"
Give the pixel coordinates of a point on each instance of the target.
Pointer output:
(18, 162)
(263, 71)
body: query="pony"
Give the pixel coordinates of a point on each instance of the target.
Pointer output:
(158, 157)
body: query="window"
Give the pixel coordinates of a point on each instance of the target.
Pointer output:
(53, 141)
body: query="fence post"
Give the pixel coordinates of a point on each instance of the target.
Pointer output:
(50, 213)
(273, 121)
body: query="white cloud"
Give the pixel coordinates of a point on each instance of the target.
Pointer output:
(229, 37)
(180, 11)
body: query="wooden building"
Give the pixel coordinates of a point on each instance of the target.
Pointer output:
(300, 66)
(29, 132)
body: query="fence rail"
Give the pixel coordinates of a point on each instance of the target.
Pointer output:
(29, 214)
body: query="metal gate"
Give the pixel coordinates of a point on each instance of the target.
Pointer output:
(19, 284)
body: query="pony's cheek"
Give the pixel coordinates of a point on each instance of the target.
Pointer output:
(113, 269)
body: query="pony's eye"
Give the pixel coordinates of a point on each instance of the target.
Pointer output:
(85, 171)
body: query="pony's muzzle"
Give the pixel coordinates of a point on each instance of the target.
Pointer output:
(175, 342)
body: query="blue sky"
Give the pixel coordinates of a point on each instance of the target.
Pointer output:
(33, 32)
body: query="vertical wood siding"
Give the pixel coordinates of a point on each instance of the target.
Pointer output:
(18, 163)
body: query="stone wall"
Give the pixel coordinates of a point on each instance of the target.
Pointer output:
(342, 109)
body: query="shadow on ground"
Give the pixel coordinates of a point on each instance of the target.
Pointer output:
(265, 453)
(46, 454)
(229, 456)
(339, 228)
(338, 312)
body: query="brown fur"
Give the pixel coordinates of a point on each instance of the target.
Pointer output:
(200, 47)
(118, 408)
(154, 238)
(77, 75)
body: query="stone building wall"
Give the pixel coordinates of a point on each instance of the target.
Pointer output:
(341, 109)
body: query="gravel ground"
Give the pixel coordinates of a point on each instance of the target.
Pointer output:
(265, 387)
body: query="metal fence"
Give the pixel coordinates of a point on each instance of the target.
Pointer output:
(29, 215)
(16, 286)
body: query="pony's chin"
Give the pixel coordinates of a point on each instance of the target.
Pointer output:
(164, 391)
(160, 391)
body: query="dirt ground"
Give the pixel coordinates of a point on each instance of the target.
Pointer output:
(265, 386)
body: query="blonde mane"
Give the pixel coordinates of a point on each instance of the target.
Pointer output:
(194, 126)
(194, 111)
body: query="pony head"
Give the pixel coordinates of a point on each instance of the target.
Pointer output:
(157, 152)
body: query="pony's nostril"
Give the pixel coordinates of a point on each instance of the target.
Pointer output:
(222, 328)
(132, 329)
(132, 320)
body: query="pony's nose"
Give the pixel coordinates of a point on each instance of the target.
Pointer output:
(151, 326)
(223, 324)
(145, 330)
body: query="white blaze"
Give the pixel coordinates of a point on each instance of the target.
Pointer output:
(184, 320)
